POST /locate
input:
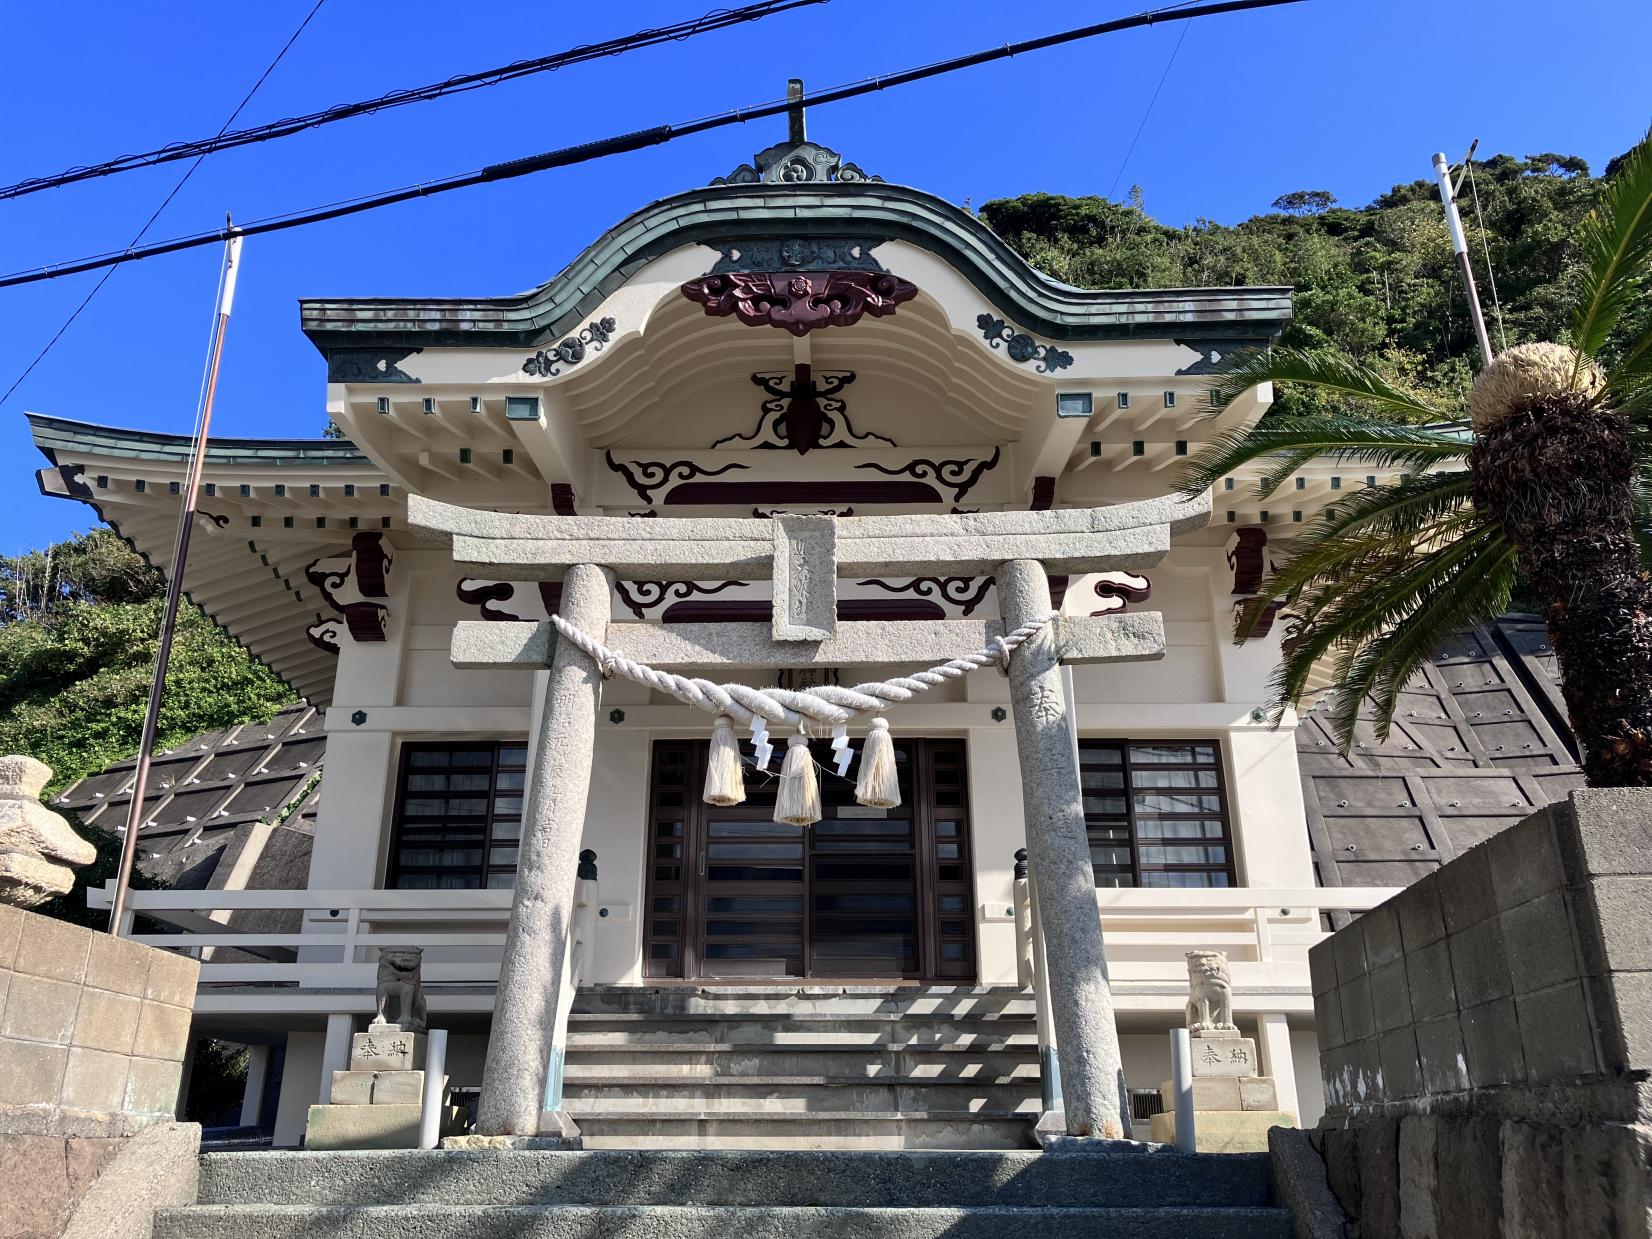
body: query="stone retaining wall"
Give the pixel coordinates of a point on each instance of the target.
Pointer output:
(1486, 1036)
(93, 1032)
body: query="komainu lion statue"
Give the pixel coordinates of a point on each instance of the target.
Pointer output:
(1210, 993)
(38, 850)
(400, 986)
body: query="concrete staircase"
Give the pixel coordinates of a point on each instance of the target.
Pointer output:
(805, 1067)
(719, 1195)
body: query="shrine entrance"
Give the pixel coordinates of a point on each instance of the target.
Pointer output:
(862, 893)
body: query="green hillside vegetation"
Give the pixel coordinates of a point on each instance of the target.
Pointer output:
(79, 624)
(1378, 282)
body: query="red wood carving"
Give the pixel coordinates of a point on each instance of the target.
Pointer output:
(800, 301)
(562, 499)
(1246, 558)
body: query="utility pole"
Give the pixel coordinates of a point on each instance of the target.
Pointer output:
(1459, 246)
(174, 591)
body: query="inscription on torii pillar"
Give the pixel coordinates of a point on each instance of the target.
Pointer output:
(804, 555)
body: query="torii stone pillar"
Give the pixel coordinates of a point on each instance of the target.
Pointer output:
(536, 945)
(1081, 997)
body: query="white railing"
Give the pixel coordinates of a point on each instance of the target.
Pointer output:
(462, 932)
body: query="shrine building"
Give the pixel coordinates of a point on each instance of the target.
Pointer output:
(797, 338)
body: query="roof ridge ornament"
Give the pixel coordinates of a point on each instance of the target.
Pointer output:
(796, 161)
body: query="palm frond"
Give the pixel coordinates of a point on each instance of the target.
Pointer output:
(1292, 441)
(1403, 507)
(1476, 588)
(1616, 239)
(1629, 382)
(1325, 369)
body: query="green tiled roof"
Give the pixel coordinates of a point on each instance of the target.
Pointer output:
(872, 212)
(56, 434)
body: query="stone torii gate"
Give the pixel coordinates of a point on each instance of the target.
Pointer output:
(804, 555)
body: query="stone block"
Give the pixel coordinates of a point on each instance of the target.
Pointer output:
(1258, 1093)
(1610, 831)
(1525, 861)
(1209, 1093)
(1418, 909)
(1418, 1178)
(96, 1081)
(1390, 996)
(1556, 1034)
(371, 1127)
(171, 979)
(1402, 1073)
(118, 964)
(1466, 895)
(1468, 1154)
(1534, 1196)
(163, 1031)
(53, 949)
(1479, 964)
(381, 1050)
(1491, 1043)
(1379, 1176)
(377, 1088)
(106, 1021)
(38, 1162)
(1623, 908)
(11, 930)
(153, 1087)
(804, 578)
(41, 1010)
(1358, 1021)
(1340, 1147)
(1328, 1019)
(1381, 926)
(1604, 1180)
(1622, 1008)
(1348, 952)
(1428, 973)
(1225, 1131)
(31, 1072)
(1322, 969)
(1537, 936)
(5, 988)
(1440, 1052)
(1223, 1056)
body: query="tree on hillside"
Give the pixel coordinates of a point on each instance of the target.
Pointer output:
(1550, 487)
(1377, 282)
(79, 623)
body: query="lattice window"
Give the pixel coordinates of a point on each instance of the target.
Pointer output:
(1156, 813)
(458, 818)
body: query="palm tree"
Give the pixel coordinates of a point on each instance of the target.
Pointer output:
(1543, 483)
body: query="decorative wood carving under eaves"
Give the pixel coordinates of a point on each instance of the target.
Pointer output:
(799, 301)
(548, 363)
(351, 584)
(795, 163)
(803, 414)
(369, 365)
(647, 476)
(1020, 346)
(960, 475)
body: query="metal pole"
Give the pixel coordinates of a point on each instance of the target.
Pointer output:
(435, 1080)
(1181, 1088)
(1459, 246)
(174, 592)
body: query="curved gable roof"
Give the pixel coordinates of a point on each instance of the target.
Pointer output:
(731, 217)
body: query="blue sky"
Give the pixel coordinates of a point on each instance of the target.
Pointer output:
(1342, 95)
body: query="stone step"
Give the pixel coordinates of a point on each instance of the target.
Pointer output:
(843, 1061)
(794, 1130)
(863, 1027)
(917, 1180)
(799, 1095)
(803, 1000)
(883, 1037)
(678, 1222)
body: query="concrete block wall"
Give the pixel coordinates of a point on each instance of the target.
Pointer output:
(1486, 1034)
(93, 1030)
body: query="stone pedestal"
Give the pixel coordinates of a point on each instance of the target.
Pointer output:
(1233, 1106)
(377, 1101)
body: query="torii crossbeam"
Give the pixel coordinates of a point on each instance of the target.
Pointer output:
(804, 556)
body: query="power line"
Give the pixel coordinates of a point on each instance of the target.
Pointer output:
(1124, 163)
(717, 19)
(165, 202)
(636, 140)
